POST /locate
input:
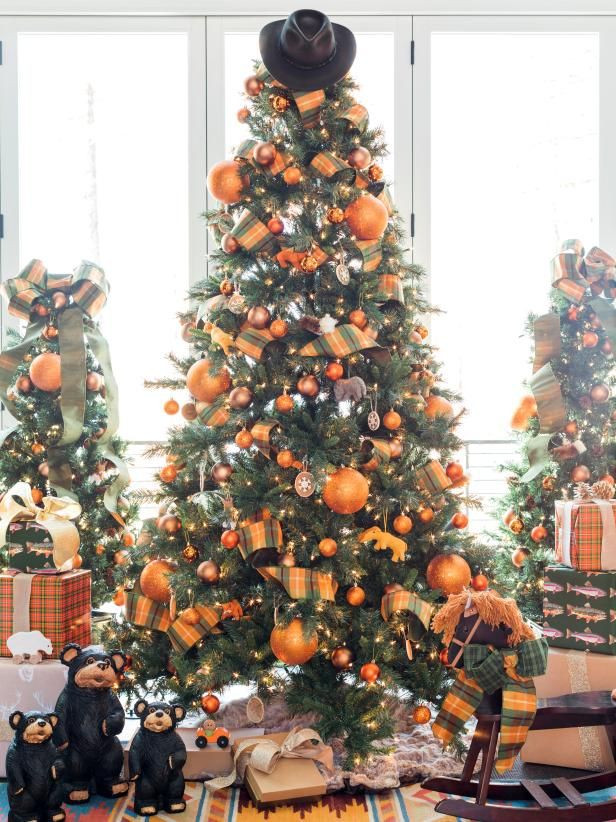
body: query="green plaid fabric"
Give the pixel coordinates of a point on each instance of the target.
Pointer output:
(356, 114)
(244, 150)
(406, 601)
(309, 106)
(183, 636)
(302, 583)
(487, 666)
(390, 289)
(432, 477)
(253, 341)
(379, 450)
(145, 612)
(214, 414)
(586, 533)
(568, 271)
(327, 164)
(253, 235)
(261, 432)
(345, 340)
(551, 408)
(60, 608)
(371, 252)
(264, 534)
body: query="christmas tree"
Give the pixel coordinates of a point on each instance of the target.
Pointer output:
(58, 384)
(310, 507)
(566, 425)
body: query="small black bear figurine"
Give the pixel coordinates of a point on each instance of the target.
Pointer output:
(90, 717)
(34, 769)
(156, 758)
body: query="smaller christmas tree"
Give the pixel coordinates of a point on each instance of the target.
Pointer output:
(566, 425)
(57, 382)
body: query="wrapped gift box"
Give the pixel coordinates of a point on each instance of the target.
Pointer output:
(583, 748)
(26, 688)
(56, 605)
(586, 534)
(579, 609)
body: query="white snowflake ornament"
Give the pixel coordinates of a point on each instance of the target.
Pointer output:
(327, 324)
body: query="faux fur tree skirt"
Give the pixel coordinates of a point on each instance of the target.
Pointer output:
(417, 754)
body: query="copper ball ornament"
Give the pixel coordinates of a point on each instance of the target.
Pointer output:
(606, 348)
(454, 471)
(46, 372)
(171, 407)
(285, 458)
(421, 714)
(480, 582)
(590, 339)
(334, 371)
(538, 533)
(449, 572)
(600, 392)
(346, 491)
(392, 420)
(292, 176)
(308, 385)
(278, 329)
(243, 114)
(259, 316)
(309, 264)
(253, 86)
(225, 182)
(335, 215)
(548, 483)
(230, 539)
(403, 524)
(209, 703)
(366, 218)
(229, 245)
(154, 580)
(168, 473)
(264, 154)
(370, 672)
(37, 448)
(395, 448)
(342, 657)
(209, 572)
(189, 411)
(290, 645)
(459, 520)
(170, 523)
(121, 557)
(519, 557)
(240, 398)
(580, 473)
(275, 225)
(43, 469)
(392, 587)
(244, 439)
(284, 403)
(359, 158)
(23, 384)
(204, 385)
(221, 472)
(571, 428)
(328, 547)
(355, 596)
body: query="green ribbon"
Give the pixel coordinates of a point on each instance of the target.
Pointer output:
(538, 456)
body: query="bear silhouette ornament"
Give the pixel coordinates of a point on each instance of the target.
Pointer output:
(156, 758)
(34, 769)
(91, 716)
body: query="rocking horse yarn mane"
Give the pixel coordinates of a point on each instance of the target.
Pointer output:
(491, 607)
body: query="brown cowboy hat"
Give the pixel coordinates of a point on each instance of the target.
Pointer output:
(307, 51)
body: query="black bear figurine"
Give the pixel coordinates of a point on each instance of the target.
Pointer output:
(34, 769)
(156, 758)
(90, 717)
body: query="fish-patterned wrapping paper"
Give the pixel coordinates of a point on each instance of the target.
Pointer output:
(579, 609)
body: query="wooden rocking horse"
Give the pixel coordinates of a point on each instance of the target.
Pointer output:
(504, 646)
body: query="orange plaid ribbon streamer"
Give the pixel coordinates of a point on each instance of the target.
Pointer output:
(253, 341)
(573, 272)
(344, 340)
(302, 583)
(261, 432)
(266, 533)
(252, 234)
(390, 286)
(214, 415)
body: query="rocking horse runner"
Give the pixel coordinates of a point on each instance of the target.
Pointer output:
(497, 655)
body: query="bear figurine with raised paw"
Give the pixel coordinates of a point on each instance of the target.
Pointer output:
(91, 716)
(156, 758)
(34, 769)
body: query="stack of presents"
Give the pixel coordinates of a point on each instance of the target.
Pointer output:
(579, 610)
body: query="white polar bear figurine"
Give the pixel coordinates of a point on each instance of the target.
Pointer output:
(26, 646)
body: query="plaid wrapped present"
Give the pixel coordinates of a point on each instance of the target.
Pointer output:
(586, 534)
(433, 478)
(302, 583)
(487, 670)
(59, 607)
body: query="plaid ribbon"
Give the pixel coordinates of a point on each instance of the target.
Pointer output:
(344, 340)
(390, 289)
(487, 670)
(573, 273)
(406, 601)
(387, 200)
(88, 288)
(550, 404)
(261, 432)
(371, 252)
(252, 234)
(357, 115)
(302, 583)
(380, 451)
(253, 341)
(214, 414)
(258, 516)
(327, 164)
(547, 339)
(266, 533)
(308, 102)
(244, 150)
(146, 613)
(60, 608)
(432, 477)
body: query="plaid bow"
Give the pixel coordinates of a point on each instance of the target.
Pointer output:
(345, 340)
(487, 670)
(573, 272)
(302, 583)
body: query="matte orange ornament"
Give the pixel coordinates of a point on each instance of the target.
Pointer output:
(454, 471)
(285, 458)
(205, 386)
(328, 547)
(225, 182)
(355, 596)
(119, 597)
(128, 540)
(168, 473)
(392, 420)
(243, 114)
(291, 645)
(571, 428)
(244, 438)
(346, 491)
(370, 672)
(275, 225)
(519, 557)
(284, 403)
(590, 339)
(210, 703)
(278, 329)
(77, 562)
(45, 371)
(449, 572)
(366, 218)
(121, 557)
(190, 616)
(189, 411)
(308, 385)
(334, 370)
(538, 533)
(358, 318)
(438, 407)
(403, 524)
(37, 448)
(421, 714)
(154, 580)
(292, 176)
(229, 245)
(230, 539)
(342, 657)
(580, 473)
(459, 520)
(425, 514)
(253, 86)
(480, 582)
(171, 407)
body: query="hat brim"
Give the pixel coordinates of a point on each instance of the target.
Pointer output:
(299, 79)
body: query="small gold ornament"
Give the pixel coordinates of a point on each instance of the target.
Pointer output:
(335, 215)
(309, 264)
(548, 483)
(375, 173)
(280, 103)
(516, 526)
(190, 553)
(421, 714)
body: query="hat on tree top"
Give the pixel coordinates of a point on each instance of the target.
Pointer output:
(307, 51)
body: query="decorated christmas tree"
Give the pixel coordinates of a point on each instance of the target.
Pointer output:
(310, 508)
(566, 423)
(57, 382)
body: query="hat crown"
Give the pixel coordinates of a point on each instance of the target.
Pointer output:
(307, 39)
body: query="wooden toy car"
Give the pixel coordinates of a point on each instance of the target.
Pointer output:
(208, 734)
